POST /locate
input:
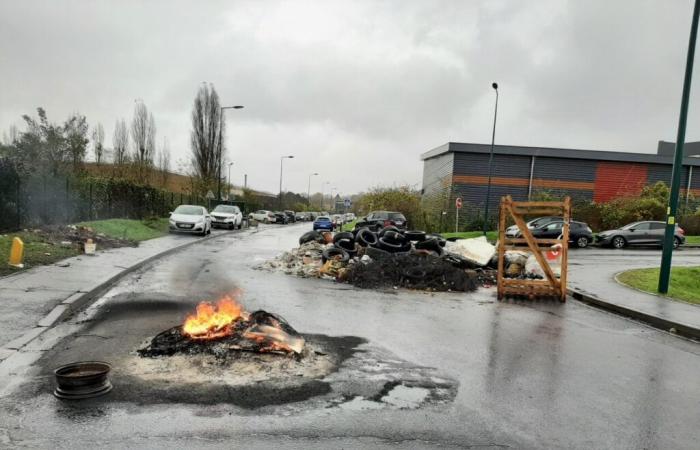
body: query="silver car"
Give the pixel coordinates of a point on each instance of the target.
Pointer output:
(640, 233)
(229, 216)
(190, 219)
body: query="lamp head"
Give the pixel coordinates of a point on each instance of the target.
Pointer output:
(494, 85)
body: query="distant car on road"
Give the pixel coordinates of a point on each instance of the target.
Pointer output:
(376, 220)
(291, 217)
(323, 223)
(513, 231)
(190, 219)
(580, 234)
(300, 216)
(640, 233)
(229, 216)
(281, 218)
(337, 220)
(262, 215)
(349, 217)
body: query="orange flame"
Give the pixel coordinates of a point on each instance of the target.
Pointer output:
(213, 321)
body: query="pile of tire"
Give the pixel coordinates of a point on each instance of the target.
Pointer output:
(389, 240)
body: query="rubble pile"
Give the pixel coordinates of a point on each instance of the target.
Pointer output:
(391, 258)
(76, 236)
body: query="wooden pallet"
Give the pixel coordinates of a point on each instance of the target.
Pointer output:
(551, 286)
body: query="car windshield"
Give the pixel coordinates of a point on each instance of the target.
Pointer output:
(396, 216)
(631, 225)
(189, 210)
(226, 209)
(323, 219)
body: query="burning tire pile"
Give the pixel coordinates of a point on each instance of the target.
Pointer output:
(391, 258)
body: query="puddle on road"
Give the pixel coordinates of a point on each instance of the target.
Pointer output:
(406, 397)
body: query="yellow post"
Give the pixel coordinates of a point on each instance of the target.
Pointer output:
(17, 253)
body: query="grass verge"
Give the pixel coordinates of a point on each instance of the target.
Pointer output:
(692, 239)
(684, 282)
(37, 251)
(133, 230)
(348, 226)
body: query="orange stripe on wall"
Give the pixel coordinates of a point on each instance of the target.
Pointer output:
(523, 182)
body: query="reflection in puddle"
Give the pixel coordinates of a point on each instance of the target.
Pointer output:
(406, 397)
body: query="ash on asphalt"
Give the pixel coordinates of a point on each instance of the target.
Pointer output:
(333, 371)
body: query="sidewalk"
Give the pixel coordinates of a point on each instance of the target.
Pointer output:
(35, 299)
(595, 284)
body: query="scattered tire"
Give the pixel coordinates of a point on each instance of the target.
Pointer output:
(389, 246)
(366, 238)
(618, 242)
(376, 253)
(383, 231)
(393, 237)
(582, 242)
(431, 243)
(311, 236)
(343, 235)
(333, 253)
(416, 236)
(348, 245)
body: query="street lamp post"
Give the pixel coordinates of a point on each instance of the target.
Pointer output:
(228, 179)
(221, 144)
(308, 191)
(493, 139)
(669, 235)
(282, 158)
(330, 203)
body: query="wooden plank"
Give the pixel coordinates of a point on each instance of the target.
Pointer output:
(501, 247)
(525, 231)
(563, 276)
(539, 241)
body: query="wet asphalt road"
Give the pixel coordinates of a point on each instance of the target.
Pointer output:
(402, 369)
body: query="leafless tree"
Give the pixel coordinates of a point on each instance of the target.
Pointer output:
(164, 162)
(98, 139)
(143, 137)
(207, 135)
(120, 142)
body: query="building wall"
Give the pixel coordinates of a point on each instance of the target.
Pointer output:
(437, 183)
(523, 177)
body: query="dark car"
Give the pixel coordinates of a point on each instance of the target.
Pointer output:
(323, 223)
(291, 217)
(580, 234)
(640, 233)
(376, 220)
(281, 218)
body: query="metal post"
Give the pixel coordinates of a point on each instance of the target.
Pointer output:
(281, 161)
(532, 173)
(493, 139)
(221, 152)
(456, 219)
(665, 272)
(687, 190)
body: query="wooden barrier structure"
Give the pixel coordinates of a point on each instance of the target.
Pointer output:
(550, 285)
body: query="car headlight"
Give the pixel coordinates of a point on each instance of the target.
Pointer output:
(171, 221)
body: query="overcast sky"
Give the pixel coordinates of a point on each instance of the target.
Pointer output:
(356, 90)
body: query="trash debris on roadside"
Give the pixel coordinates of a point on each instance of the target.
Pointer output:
(391, 258)
(476, 250)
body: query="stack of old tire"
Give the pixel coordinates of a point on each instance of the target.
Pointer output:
(389, 240)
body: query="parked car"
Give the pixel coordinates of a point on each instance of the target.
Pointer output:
(640, 233)
(190, 219)
(300, 216)
(262, 215)
(580, 234)
(376, 220)
(337, 220)
(291, 217)
(229, 216)
(281, 218)
(349, 217)
(513, 231)
(323, 223)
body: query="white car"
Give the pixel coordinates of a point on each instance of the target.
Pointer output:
(190, 219)
(228, 216)
(349, 217)
(263, 215)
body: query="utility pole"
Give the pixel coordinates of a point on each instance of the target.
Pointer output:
(493, 139)
(669, 236)
(221, 145)
(282, 158)
(308, 191)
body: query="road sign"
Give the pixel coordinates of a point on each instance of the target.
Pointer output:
(458, 203)
(347, 202)
(210, 195)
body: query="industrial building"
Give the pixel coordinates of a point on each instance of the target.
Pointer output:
(462, 170)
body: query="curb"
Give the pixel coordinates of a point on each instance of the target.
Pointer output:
(660, 323)
(79, 300)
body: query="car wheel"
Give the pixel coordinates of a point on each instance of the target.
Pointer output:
(582, 242)
(232, 226)
(619, 242)
(676, 242)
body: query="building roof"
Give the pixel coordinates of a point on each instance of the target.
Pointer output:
(598, 155)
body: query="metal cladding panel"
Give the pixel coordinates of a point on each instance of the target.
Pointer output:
(614, 180)
(663, 172)
(564, 169)
(503, 165)
(437, 181)
(694, 179)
